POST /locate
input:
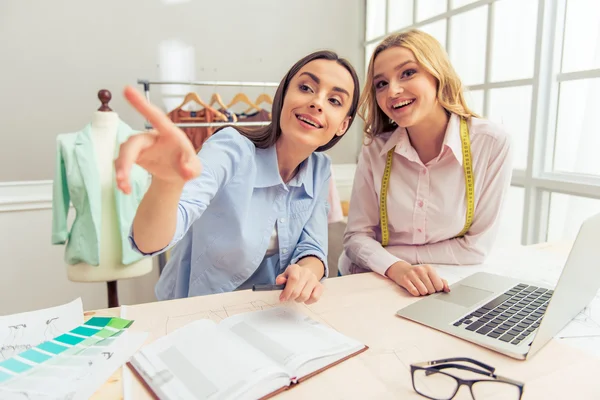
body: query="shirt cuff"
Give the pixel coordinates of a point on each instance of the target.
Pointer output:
(59, 238)
(380, 261)
(137, 249)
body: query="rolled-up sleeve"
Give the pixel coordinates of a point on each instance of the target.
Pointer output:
(313, 239)
(221, 156)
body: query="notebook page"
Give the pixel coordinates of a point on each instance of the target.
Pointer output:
(289, 337)
(203, 361)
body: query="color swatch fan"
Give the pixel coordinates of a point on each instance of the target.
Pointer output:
(54, 368)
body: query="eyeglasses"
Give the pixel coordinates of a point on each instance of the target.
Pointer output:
(430, 381)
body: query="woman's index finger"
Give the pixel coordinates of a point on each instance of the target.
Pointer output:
(153, 114)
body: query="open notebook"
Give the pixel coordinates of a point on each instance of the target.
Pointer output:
(246, 356)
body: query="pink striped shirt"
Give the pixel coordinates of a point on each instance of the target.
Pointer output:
(426, 203)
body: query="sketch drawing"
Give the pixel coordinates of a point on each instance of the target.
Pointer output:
(402, 355)
(586, 324)
(588, 319)
(16, 396)
(14, 344)
(52, 329)
(5, 395)
(19, 332)
(20, 337)
(177, 321)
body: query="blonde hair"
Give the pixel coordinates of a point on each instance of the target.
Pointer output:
(433, 58)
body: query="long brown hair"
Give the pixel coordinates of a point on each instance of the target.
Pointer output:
(433, 58)
(266, 136)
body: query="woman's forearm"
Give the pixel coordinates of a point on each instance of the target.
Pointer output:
(314, 265)
(156, 217)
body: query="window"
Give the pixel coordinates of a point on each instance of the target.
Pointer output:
(368, 53)
(474, 100)
(533, 66)
(513, 40)
(578, 130)
(468, 45)
(567, 212)
(582, 25)
(400, 14)
(437, 30)
(511, 107)
(510, 227)
(460, 3)
(430, 8)
(375, 18)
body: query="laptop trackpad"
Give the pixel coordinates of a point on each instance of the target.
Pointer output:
(465, 296)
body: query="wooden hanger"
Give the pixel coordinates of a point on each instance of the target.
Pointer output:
(241, 97)
(262, 98)
(193, 96)
(216, 98)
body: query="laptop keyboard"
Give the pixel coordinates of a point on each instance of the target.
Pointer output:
(510, 317)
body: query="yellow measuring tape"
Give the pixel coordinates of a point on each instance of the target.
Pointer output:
(469, 185)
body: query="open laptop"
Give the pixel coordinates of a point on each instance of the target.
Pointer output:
(512, 317)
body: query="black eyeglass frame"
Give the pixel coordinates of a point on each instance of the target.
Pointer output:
(437, 365)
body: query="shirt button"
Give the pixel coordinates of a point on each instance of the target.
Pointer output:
(284, 251)
(419, 230)
(420, 203)
(282, 220)
(424, 172)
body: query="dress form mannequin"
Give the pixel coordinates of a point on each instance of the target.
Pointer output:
(104, 138)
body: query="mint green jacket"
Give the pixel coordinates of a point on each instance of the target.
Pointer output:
(77, 181)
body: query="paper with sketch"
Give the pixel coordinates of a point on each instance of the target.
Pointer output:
(19, 332)
(586, 324)
(120, 352)
(584, 330)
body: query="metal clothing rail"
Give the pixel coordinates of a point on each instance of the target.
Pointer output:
(147, 84)
(216, 124)
(208, 83)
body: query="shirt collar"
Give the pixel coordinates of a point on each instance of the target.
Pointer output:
(267, 174)
(400, 139)
(304, 177)
(452, 138)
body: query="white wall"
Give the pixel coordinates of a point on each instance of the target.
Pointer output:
(56, 55)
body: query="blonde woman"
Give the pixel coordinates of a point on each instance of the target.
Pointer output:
(447, 170)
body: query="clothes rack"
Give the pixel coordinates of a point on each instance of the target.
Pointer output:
(147, 83)
(162, 259)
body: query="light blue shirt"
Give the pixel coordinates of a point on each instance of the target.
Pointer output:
(226, 217)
